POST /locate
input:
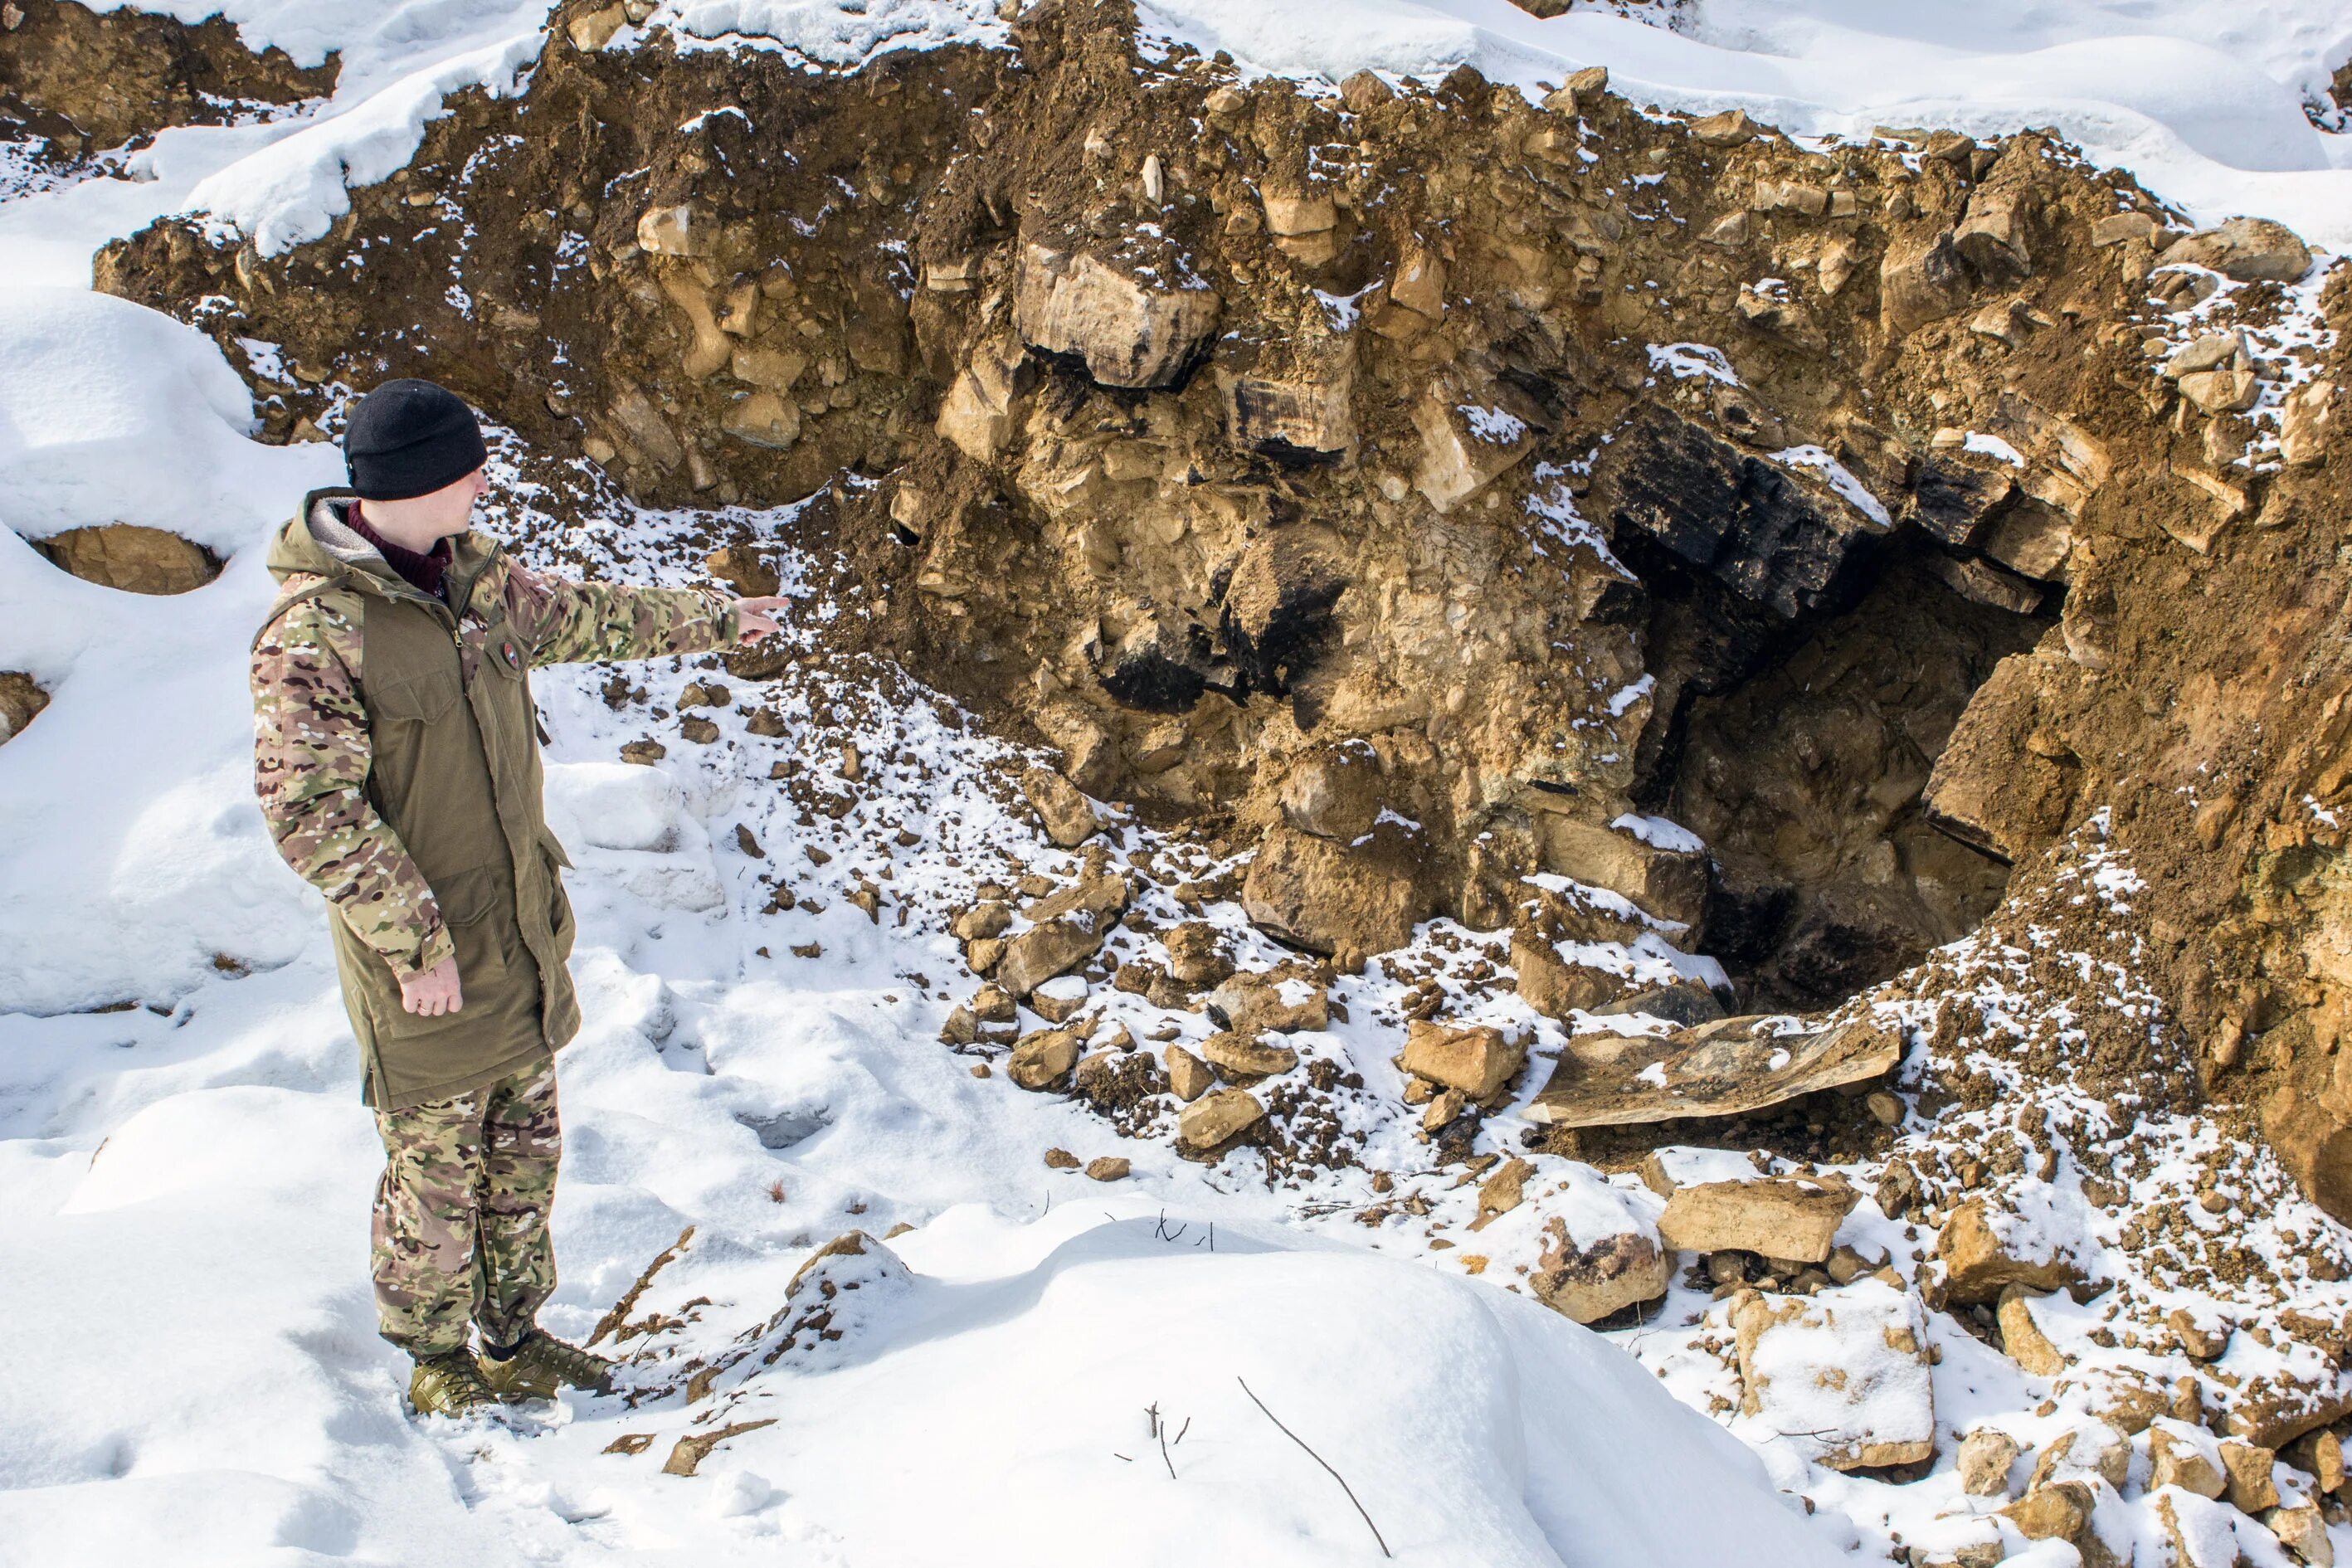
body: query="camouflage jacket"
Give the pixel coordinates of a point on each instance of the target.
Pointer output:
(396, 760)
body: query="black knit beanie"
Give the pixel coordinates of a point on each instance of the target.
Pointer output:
(409, 438)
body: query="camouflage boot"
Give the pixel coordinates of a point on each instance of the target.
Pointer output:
(542, 1363)
(448, 1384)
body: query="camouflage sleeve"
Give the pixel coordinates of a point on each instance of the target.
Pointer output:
(564, 622)
(310, 760)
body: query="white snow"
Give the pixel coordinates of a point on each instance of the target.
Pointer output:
(827, 32)
(1993, 447)
(2203, 99)
(1841, 479)
(1659, 833)
(1683, 361)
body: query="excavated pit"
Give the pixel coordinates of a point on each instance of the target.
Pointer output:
(1048, 329)
(1800, 755)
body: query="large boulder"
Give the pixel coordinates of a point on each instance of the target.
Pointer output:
(2249, 250)
(1345, 900)
(1129, 333)
(134, 559)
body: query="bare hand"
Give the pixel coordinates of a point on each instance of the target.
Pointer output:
(429, 992)
(756, 618)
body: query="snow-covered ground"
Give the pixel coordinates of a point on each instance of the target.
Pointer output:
(183, 1254)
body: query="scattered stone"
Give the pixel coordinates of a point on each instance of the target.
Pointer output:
(1977, 1266)
(690, 1451)
(2023, 1338)
(1059, 999)
(2200, 1533)
(1216, 1119)
(995, 1005)
(742, 568)
(21, 698)
(2097, 1451)
(2059, 1512)
(1188, 1075)
(1042, 1058)
(1196, 955)
(1068, 816)
(1987, 1456)
(981, 921)
(1237, 1056)
(1729, 1067)
(2180, 1455)
(1728, 129)
(1588, 1281)
(1061, 1160)
(1504, 1191)
(1479, 1061)
(2200, 1339)
(2303, 1530)
(2303, 424)
(1053, 947)
(2247, 1469)
(1108, 1168)
(1252, 1003)
(698, 730)
(1776, 1216)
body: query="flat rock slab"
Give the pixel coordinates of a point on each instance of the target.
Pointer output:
(1726, 1068)
(1775, 1216)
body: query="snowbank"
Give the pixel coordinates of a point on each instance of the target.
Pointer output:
(133, 858)
(2203, 101)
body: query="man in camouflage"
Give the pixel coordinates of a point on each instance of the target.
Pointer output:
(396, 758)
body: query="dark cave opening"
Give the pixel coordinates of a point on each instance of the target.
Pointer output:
(1799, 751)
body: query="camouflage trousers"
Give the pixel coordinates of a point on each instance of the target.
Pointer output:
(461, 1214)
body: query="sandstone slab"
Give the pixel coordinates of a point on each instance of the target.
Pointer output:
(134, 559)
(1774, 1217)
(1251, 1004)
(1345, 900)
(1980, 1261)
(1729, 1067)
(1844, 1376)
(1043, 1058)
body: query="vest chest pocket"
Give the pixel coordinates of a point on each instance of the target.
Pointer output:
(425, 696)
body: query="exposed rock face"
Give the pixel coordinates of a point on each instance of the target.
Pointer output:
(134, 559)
(88, 80)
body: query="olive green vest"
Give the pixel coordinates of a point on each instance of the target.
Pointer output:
(455, 774)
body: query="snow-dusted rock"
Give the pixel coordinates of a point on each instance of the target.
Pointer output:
(1843, 1376)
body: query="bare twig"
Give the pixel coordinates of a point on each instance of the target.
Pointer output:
(1325, 1463)
(1186, 1428)
(1163, 1454)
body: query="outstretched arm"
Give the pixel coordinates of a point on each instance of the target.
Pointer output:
(564, 622)
(310, 760)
